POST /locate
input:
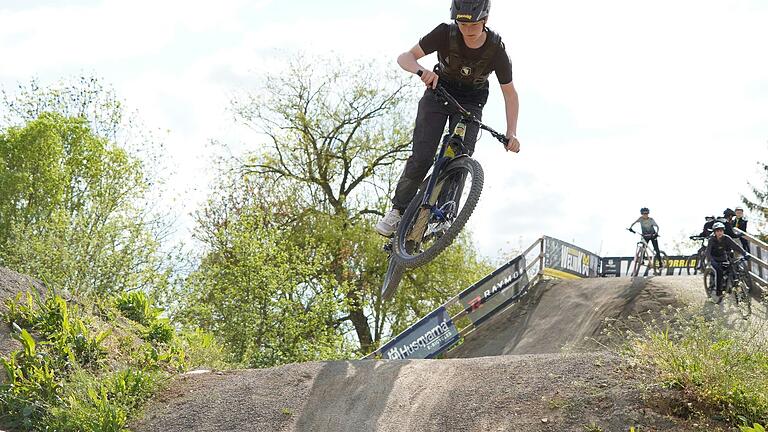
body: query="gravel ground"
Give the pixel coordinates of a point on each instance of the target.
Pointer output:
(533, 368)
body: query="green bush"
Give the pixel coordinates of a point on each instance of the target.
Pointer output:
(160, 331)
(61, 382)
(137, 307)
(719, 368)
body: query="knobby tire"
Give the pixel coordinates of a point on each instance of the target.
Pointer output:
(399, 250)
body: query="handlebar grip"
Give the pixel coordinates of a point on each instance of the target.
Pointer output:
(419, 72)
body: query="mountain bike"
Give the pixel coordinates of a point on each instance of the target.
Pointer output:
(447, 197)
(443, 203)
(648, 259)
(697, 263)
(738, 285)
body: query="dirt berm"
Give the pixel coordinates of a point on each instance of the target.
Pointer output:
(541, 366)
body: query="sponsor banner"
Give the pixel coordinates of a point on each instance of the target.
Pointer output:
(565, 257)
(622, 266)
(425, 339)
(611, 267)
(495, 291)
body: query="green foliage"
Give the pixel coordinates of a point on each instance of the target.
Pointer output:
(137, 306)
(719, 368)
(758, 201)
(203, 350)
(160, 331)
(262, 294)
(71, 199)
(63, 382)
(754, 428)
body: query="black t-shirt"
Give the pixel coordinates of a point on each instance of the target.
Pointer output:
(437, 40)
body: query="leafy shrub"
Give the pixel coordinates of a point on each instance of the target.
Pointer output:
(62, 383)
(137, 307)
(160, 331)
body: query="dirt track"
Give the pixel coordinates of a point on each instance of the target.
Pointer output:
(551, 390)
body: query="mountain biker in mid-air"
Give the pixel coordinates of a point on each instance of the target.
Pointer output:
(719, 249)
(467, 53)
(649, 230)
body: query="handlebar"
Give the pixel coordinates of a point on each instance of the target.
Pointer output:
(641, 234)
(442, 93)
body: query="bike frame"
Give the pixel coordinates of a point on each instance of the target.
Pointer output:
(641, 253)
(456, 137)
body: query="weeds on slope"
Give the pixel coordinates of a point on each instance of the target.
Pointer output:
(78, 371)
(721, 367)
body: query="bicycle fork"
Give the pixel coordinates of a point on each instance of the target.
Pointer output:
(428, 208)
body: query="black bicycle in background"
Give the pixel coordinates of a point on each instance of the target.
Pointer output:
(444, 202)
(738, 285)
(698, 262)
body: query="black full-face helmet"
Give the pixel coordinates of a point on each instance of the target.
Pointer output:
(728, 212)
(470, 10)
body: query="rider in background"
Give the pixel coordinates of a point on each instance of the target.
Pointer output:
(727, 221)
(467, 53)
(706, 231)
(719, 249)
(741, 223)
(649, 230)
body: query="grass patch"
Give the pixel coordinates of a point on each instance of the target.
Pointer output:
(78, 371)
(721, 368)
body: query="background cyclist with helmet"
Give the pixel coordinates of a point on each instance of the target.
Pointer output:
(706, 230)
(467, 53)
(719, 250)
(727, 221)
(649, 230)
(740, 222)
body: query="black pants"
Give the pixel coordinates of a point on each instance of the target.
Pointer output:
(430, 124)
(654, 240)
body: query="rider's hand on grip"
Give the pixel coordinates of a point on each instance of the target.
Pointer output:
(631, 230)
(429, 78)
(513, 144)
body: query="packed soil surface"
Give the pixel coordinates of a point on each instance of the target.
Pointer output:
(542, 365)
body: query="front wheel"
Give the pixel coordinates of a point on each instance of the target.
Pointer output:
(425, 231)
(742, 297)
(710, 284)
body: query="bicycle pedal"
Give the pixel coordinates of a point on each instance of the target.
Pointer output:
(388, 247)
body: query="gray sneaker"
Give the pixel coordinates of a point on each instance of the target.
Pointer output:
(388, 224)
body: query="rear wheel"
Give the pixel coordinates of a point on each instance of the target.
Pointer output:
(659, 263)
(425, 231)
(392, 279)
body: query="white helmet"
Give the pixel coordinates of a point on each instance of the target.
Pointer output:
(718, 225)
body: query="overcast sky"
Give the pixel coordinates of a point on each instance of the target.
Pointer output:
(623, 104)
